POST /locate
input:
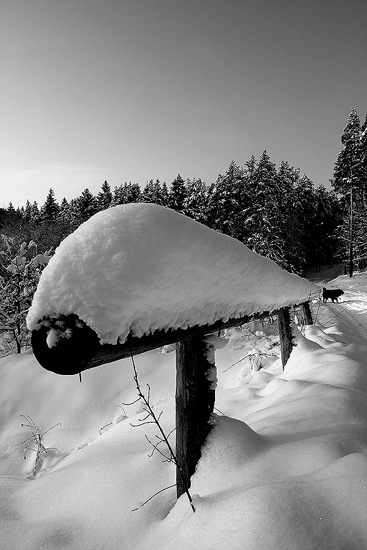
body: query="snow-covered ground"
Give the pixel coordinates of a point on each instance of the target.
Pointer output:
(284, 467)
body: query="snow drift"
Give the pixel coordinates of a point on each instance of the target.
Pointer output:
(284, 467)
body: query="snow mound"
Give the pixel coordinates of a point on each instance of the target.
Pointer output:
(138, 268)
(284, 467)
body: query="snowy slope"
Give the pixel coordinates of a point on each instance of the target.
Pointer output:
(284, 467)
(141, 267)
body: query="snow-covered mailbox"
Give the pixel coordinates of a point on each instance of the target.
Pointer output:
(139, 276)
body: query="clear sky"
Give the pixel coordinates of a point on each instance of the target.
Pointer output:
(121, 90)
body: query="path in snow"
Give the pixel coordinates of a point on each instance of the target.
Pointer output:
(353, 308)
(326, 275)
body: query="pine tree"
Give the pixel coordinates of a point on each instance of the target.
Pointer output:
(12, 221)
(31, 213)
(155, 192)
(177, 194)
(265, 192)
(67, 219)
(226, 198)
(119, 195)
(125, 193)
(11, 210)
(288, 216)
(164, 194)
(2, 217)
(348, 166)
(350, 182)
(27, 214)
(196, 201)
(85, 206)
(34, 211)
(363, 145)
(133, 192)
(50, 209)
(104, 197)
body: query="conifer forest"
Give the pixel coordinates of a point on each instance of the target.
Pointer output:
(274, 210)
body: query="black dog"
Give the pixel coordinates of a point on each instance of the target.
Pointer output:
(332, 293)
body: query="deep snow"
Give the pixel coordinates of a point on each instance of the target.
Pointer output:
(138, 268)
(284, 467)
(285, 463)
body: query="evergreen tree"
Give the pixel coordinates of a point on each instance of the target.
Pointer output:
(31, 213)
(104, 197)
(265, 192)
(226, 197)
(150, 192)
(350, 182)
(177, 194)
(63, 207)
(11, 210)
(67, 219)
(363, 147)
(348, 170)
(128, 192)
(155, 192)
(12, 222)
(196, 201)
(2, 217)
(164, 194)
(50, 209)
(119, 195)
(133, 192)
(288, 214)
(34, 212)
(27, 211)
(85, 206)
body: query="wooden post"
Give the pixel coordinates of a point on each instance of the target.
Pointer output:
(305, 314)
(285, 334)
(195, 395)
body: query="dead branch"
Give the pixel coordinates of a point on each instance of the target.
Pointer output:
(36, 438)
(155, 494)
(145, 400)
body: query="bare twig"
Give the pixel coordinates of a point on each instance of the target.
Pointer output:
(101, 430)
(145, 400)
(155, 494)
(132, 402)
(155, 448)
(256, 353)
(36, 438)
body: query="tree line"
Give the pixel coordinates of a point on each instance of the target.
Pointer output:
(274, 210)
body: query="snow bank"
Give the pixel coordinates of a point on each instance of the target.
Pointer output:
(285, 466)
(138, 268)
(83, 410)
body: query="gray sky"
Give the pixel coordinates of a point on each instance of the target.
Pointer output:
(138, 89)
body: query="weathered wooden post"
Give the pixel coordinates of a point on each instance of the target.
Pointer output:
(305, 314)
(195, 395)
(285, 334)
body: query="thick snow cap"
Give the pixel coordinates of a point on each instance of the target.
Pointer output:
(138, 268)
